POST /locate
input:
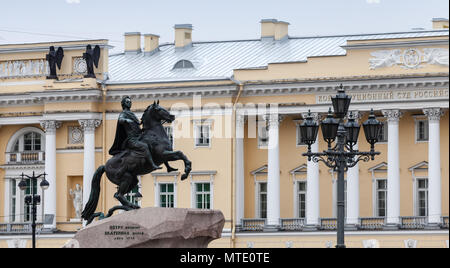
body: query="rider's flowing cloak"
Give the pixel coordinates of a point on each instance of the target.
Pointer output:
(121, 134)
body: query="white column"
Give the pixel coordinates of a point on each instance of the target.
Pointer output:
(393, 176)
(273, 176)
(353, 194)
(353, 187)
(239, 169)
(434, 166)
(7, 200)
(88, 127)
(312, 190)
(312, 185)
(50, 169)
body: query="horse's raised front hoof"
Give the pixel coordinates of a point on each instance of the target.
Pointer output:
(184, 176)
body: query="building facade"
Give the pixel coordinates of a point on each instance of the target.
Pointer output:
(238, 105)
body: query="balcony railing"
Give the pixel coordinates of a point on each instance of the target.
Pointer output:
(24, 158)
(328, 224)
(372, 223)
(413, 222)
(295, 224)
(18, 228)
(253, 224)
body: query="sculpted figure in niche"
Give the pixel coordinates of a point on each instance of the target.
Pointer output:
(77, 198)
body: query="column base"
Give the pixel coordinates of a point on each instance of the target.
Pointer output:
(311, 228)
(433, 226)
(351, 227)
(391, 227)
(271, 228)
(48, 230)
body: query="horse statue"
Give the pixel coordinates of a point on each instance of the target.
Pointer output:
(124, 168)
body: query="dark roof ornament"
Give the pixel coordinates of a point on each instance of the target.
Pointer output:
(54, 59)
(92, 57)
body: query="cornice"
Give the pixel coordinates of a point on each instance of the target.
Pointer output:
(161, 93)
(374, 83)
(417, 43)
(39, 98)
(45, 48)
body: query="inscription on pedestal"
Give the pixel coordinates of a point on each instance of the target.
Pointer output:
(124, 232)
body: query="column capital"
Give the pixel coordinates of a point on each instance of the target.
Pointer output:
(89, 125)
(273, 120)
(240, 120)
(50, 126)
(392, 115)
(433, 114)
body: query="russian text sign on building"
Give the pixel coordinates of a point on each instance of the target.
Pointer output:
(390, 96)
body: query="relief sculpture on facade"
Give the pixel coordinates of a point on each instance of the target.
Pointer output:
(410, 58)
(24, 68)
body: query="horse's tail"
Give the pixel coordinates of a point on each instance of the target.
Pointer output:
(91, 205)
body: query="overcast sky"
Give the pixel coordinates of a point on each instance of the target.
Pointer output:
(24, 21)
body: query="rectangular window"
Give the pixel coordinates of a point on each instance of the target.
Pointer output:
(169, 132)
(263, 135)
(31, 189)
(299, 136)
(422, 197)
(383, 133)
(203, 195)
(203, 135)
(32, 142)
(262, 200)
(13, 201)
(381, 196)
(422, 130)
(301, 191)
(131, 196)
(166, 195)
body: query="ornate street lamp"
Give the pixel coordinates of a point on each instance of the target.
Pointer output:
(342, 156)
(33, 199)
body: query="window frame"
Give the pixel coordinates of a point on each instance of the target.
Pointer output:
(417, 197)
(170, 133)
(417, 121)
(385, 131)
(185, 65)
(262, 126)
(258, 207)
(376, 196)
(298, 142)
(201, 124)
(203, 193)
(167, 194)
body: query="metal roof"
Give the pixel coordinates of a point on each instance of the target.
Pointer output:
(217, 60)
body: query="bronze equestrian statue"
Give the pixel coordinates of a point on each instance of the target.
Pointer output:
(135, 152)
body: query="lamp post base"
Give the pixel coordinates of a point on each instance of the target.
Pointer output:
(341, 246)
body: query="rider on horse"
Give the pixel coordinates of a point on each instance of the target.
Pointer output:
(128, 133)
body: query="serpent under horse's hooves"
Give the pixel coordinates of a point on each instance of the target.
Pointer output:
(124, 168)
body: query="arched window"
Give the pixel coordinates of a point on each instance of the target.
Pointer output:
(183, 64)
(25, 149)
(26, 146)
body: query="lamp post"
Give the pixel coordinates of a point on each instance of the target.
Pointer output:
(342, 156)
(33, 199)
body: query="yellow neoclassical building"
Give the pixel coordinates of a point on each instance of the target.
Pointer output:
(238, 106)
